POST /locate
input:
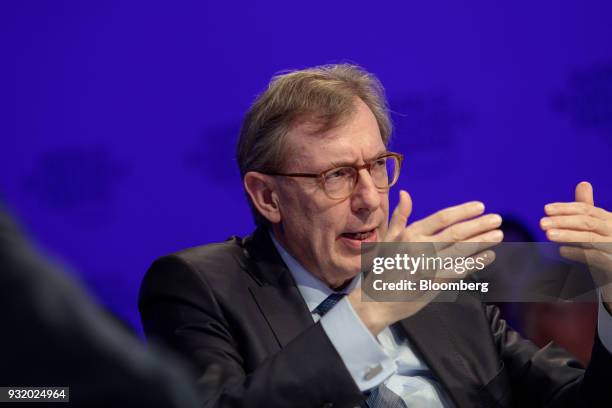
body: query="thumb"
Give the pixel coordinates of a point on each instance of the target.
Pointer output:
(584, 193)
(400, 215)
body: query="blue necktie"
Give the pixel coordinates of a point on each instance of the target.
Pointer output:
(326, 305)
(381, 396)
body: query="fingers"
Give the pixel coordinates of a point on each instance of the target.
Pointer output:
(488, 255)
(573, 253)
(493, 237)
(578, 221)
(592, 257)
(463, 249)
(400, 215)
(471, 246)
(575, 209)
(584, 193)
(468, 229)
(447, 217)
(601, 246)
(564, 235)
(575, 222)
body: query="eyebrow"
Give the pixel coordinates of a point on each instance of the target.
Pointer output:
(354, 162)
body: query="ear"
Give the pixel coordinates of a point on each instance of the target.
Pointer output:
(262, 190)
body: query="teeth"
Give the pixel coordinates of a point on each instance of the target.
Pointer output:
(359, 235)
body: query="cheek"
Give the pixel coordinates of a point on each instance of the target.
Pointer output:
(324, 231)
(308, 220)
(294, 209)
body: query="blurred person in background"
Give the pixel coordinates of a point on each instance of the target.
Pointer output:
(54, 335)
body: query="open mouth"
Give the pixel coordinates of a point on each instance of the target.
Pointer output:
(359, 236)
(353, 240)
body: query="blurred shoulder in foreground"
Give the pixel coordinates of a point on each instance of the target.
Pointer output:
(53, 334)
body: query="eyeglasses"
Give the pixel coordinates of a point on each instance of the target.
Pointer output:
(340, 182)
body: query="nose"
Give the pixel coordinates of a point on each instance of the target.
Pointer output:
(366, 196)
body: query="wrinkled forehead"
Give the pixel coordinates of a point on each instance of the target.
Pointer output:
(309, 146)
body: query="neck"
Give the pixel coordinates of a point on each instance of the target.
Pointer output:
(336, 285)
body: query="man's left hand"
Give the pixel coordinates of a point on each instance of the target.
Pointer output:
(589, 230)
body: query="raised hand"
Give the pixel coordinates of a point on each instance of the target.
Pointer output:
(589, 231)
(459, 224)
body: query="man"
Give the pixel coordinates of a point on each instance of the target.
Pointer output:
(264, 320)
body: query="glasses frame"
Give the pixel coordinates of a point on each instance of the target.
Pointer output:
(368, 165)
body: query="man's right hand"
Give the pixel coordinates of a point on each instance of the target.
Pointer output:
(462, 223)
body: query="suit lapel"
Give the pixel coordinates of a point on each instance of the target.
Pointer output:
(275, 291)
(284, 311)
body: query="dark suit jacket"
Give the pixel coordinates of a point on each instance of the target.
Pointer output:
(234, 311)
(53, 334)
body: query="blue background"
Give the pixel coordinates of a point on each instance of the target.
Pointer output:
(119, 119)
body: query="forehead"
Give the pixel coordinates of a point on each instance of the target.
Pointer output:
(355, 140)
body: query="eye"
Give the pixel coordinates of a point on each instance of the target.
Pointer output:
(381, 162)
(341, 172)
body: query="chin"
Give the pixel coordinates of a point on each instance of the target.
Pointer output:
(350, 269)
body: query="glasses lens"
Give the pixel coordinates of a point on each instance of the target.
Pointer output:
(385, 171)
(338, 183)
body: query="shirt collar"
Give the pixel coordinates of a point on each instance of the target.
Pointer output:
(312, 289)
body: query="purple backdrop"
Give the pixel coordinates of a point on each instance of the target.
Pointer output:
(119, 119)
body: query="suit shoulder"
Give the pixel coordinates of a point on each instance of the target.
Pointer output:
(228, 256)
(212, 265)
